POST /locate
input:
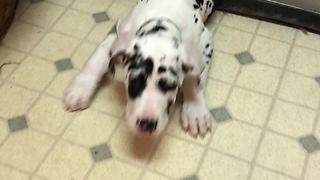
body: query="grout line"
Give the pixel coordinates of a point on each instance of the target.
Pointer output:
(276, 172)
(4, 164)
(274, 98)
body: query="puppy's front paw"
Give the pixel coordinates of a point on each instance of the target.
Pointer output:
(195, 118)
(78, 94)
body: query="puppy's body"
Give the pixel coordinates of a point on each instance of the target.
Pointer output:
(163, 45)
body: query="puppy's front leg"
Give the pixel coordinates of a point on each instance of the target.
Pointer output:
(195, 115)
(82, 87)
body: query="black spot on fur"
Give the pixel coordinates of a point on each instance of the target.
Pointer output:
(173, 71)
(207, 46)
(195, 6)
(159, 27)
(186, 68)
(199, 2)
(210, 54)
(166, 86)
(162, 69)
(136, 86)
(196, 20)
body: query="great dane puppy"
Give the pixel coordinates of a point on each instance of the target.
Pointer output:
(164, 47)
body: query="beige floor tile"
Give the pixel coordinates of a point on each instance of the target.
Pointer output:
(42, 14)
(259, 77)
(153, 176)
(263, 174)
(100, 31)
(313, 168)
(4, 131)
(61, 2)
(115, 170)
(224, 67)
(11, 174)
(270, 51)
(91, 6)
(231, 40)
(66, 161)
(125, 146)
(174, 129)
(309, 40)
(25, 149)
(56, 46)
(305, 61)
(292, 120)
(37, 178)
(240, 22)
(75, 23)
(16, 100)
(276, 31)
(216, 93)
(48, 115)
(34, 73)
(22, 6)
(318, 128)
(220, 167)
(120, 9)
(237, 139)
(111, 98)
(82, 54)
(6, 56)
(96, 126)
(176, 158)
(23, 36)
(248, 106)
(300, 89)
(278, 153)
(60, 83)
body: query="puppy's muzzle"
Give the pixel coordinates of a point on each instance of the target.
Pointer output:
(147, 125)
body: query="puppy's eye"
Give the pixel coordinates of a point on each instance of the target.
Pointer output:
(166, 86)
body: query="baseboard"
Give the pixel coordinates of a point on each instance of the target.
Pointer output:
(274, 12)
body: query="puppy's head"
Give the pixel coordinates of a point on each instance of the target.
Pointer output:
(154, 70)
(155, 65)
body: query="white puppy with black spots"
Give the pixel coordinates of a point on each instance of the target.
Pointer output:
(164, 46)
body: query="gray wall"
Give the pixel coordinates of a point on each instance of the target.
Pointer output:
(310, 5)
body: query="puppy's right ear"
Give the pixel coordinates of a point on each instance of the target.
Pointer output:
(117, 58)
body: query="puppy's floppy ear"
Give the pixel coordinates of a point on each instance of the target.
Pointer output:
(117, 58)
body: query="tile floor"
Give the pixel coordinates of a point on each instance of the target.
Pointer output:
(263, 92)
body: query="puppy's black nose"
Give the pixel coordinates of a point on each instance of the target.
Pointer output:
(147, 125)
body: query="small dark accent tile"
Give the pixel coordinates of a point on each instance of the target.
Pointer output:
(220, 114)
(310, 143)
(100, 152)
(17, 123)
(245, 58)
(100, 17)
(35, 1)
(192, 177)
(318, 79)
(63, 65)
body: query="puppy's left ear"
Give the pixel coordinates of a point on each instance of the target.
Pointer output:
(117, 58)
